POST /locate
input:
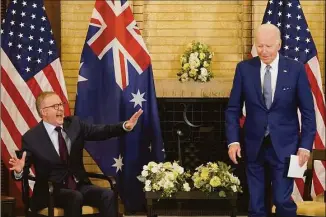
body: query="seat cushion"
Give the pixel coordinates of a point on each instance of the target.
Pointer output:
(320, 198)
(310, 208)
(60, 211)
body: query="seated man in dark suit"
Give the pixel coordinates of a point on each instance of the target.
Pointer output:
(55, 148)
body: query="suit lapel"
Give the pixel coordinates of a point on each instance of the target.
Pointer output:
(281, 79)
(45, 141)
(69, 130)
(257, 81)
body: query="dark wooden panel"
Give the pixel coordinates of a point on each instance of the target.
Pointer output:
(4, 179)
(3, 7)
(54, 15)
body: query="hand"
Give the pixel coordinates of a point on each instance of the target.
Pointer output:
(133, 120)
(17, 164)
(234, 151)
(303, 156)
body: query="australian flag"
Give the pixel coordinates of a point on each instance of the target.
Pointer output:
(116, 80)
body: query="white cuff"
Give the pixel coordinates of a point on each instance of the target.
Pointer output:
(233, 143)
(18, 175)
(304, 149)
(125, 129)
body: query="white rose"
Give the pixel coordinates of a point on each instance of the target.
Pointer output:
(154, 170)
(192, 63)
(147, 182)
(170, 176)
(180, 170)
(234, 179)
(168, 184)
(152, 164)
(202, 78)
(145, 167)
(203, 72)
(144, 173)
(234, 188)
(193, 56)
(148, 188)
(186, 187)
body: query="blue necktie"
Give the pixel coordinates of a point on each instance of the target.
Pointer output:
(267, 91)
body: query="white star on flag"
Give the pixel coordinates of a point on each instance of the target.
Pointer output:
(138, 99)
(81, 78)
(118, 163)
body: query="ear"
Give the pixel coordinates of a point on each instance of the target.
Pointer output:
(279, 44)
(43, 112)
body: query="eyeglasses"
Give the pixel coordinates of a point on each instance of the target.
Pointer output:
(56, 106)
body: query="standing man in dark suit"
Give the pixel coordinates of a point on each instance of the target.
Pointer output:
(55, 148)
(273, 87)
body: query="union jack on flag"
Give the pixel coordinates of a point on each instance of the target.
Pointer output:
(29, 65)
(297, 43)
(115, 80)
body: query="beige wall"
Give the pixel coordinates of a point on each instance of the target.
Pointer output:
(167, 26)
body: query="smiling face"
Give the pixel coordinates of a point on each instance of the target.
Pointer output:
(52, 110)
(268, 42)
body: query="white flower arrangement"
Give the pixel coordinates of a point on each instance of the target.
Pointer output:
(166, 177)
(196, 63)
(216, 177)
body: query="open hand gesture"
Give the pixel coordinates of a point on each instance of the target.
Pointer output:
(133, 120)
(17, 164)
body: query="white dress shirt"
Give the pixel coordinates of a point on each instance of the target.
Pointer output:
(53, 134)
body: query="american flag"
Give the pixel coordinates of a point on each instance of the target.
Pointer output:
(29, 65)
(297, 43)
(115, 80)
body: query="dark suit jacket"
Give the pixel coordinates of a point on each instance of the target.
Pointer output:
(47, 163)
(292, 92)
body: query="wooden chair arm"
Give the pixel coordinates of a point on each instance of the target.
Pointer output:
(110, 179)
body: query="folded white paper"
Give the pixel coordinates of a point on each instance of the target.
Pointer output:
(295, 171)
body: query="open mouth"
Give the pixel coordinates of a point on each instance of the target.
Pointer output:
(59, 115)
